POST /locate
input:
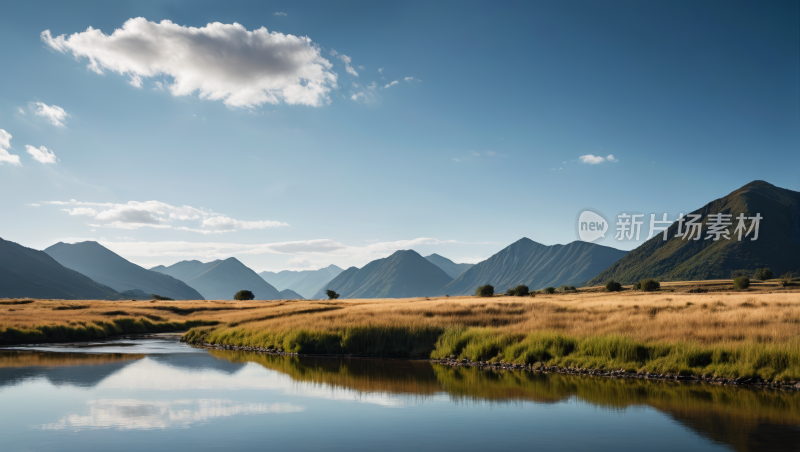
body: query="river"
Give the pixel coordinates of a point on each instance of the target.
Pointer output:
(156, 394)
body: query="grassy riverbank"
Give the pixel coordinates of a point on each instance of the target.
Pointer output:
(727, 334)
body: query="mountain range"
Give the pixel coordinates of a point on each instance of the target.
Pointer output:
(304, 282)
(684, 259)
(452, 269)
(220, 279)
(106, 267)
(535, 265)
(25, 272)
(404, 274)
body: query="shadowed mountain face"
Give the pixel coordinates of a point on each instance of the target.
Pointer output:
(288, 294)
(25, 272)
(403, 274)
(305, 282)
(220, 280)
(537, 266)
(777, 247)
(107, 267)
(452, 269)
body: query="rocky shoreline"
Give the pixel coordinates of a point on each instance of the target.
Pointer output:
(540, 367)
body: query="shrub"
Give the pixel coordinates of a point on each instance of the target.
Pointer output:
(521, 290)
(484, 291)
(550, 290)
(331, 294)
(741, 283)
(159, 297)
(566, 288)
(613, 286)
(637, 285)
(649, 285)
(244, 295)
(763, 274)
(786, 279)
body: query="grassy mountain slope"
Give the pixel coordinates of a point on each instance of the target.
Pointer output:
(536, 265)
(25, 272)
(452, 269)
(221, 279)
(403, 274)
(777, 247)
(106, 267)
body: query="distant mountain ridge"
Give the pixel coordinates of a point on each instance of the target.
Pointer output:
(220, 279)
(404, 274)
(304, 282)
(777, 247)
(25, 272)
(452, 269)
(287, 294)
(537, 266)
(106, 267)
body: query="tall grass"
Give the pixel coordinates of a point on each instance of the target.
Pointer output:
(89, 331)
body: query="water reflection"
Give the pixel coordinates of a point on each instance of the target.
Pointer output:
(746, 419)
(179, 389)
(131, 414)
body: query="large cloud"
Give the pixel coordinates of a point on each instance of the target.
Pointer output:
(221, 61)
(5, 143)
(157, 214)
(53, 113)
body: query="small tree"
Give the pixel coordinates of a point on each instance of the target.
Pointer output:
(613, 286)
(331, 294)
(244, 295)
(521, 290)
(637, 285)
(786, 279)
(486, 290)
(566, 288)
(649, 285)
(550, 290)
(763, 274)
(741, 283)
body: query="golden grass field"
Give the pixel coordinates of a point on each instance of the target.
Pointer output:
(759, 327)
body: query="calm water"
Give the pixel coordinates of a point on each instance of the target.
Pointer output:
(149, 395)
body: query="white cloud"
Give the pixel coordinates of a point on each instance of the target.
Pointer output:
(297, 262)
(596, 159)
(592, 159)
(380, 70)
(53, 113)
(391, 84)
(279, 14)
(156, 214)
(355, 96)
(20, 110)
(410, 79)
(84, 211)
(5, 143)
(221, 61)
(42, 154)
(34, 205)
(346, 60)
(456, 160)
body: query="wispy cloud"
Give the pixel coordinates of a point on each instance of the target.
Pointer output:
(156, 214)
(20, 110)
(596, 159)
(53, 113)
(346, 60)
(388, 85)
(279, 14)
(5, 144)
(222, 61)
(41, 154)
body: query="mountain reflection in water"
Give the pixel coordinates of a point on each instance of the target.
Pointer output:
(179, 389)
(745, 419)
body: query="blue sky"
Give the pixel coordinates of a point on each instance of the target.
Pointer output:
(222, 141)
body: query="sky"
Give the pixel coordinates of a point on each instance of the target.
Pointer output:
(294, 135)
